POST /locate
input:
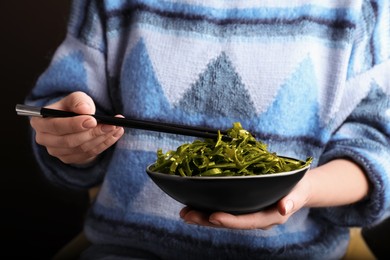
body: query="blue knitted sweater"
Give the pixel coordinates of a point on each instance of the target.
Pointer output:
(308, 78)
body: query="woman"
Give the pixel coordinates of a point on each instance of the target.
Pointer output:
(307, 78)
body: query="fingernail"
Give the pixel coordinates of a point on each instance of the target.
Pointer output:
(190, 223)
(288, 207)
(215, 222)
(89, 123)
(107, 128)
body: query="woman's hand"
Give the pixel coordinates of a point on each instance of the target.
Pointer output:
(75, 140)
(265, 219)
(336, 183)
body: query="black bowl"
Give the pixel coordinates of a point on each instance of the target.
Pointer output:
(234, 194)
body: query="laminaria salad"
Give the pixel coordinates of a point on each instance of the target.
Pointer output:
(239, 154)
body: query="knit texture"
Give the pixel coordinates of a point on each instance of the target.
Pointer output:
(308, 78)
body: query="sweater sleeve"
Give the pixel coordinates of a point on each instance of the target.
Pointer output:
(79, 64)
(364, 136)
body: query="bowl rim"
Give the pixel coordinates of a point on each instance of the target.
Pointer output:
(204, 178)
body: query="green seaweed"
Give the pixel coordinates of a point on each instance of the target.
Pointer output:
(239, 155)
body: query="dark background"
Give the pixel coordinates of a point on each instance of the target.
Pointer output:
(36, 218)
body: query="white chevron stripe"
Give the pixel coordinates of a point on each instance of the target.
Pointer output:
(257, 63)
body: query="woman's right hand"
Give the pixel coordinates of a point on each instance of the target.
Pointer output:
(75, 140)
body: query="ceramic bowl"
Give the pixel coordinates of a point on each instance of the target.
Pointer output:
(233, 194)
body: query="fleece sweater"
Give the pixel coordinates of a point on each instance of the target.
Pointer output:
(308, 78)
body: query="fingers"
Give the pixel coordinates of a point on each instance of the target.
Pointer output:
(259, 220)
(88, 150)
(63, 126)
(70, 137)
(75, 140)
(264, 219)
(77, 102)
(69, 141)
(191, 216)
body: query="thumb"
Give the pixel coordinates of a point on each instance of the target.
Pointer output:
(78, 102)
(296, 199)
(286, 207)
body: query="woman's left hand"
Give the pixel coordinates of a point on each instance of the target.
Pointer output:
(336, 183)
(264, 219)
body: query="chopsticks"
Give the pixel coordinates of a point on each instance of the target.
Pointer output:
(203, 132)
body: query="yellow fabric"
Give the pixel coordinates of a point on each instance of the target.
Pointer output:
(358, 248)
(93, 192)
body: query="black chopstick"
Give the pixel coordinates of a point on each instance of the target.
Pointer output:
(26, 110)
